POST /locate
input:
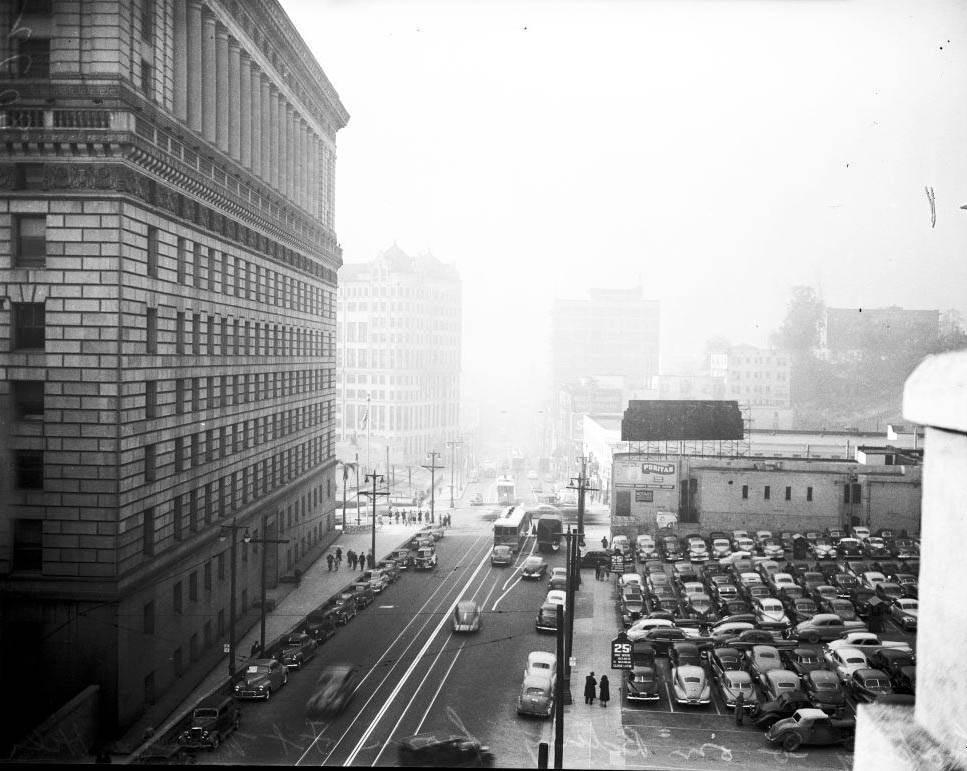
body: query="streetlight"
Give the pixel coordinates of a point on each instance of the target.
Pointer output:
(346, 466)
(222, 536)
(263, 540)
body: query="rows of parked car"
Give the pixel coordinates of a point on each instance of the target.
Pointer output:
(773, 637)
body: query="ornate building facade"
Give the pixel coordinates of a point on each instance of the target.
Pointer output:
(167, 333)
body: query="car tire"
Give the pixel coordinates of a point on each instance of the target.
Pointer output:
(812, 638)
(285, 679)
(791, 742)
(268, 694)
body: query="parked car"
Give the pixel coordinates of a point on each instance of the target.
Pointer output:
(212, 719)
(321, 623)
(298, 649)
(476, 499)
(376, 578)
(663, 638)
(735, 682)
(724, 659)
(541, 663)
(888, 592)
(690, 685)
(558, 579)
(547, 618)
(823, 549)
(825, 691)
(631, 606)
(390, 568)
(426, 558)
(595, 557)
(803, 660)
(721, 547)
(845, 661)
(769, 610)
(645, 547)
(782, 707)
(891, 660)
(345, 607)
(641, 684)
(334, 688)
(845, 610)
(536, 696)
(801, 610)
(869, 684)
(822, 627)
(763, 659)
(261, 677)
(363, 592)
(403, 558)
(849, 547)
(903, 611)
(777, 681)
(534, 567)
(466, 616)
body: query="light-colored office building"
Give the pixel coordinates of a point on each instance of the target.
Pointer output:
(168, 335)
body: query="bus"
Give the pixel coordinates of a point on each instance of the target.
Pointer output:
(506, 492)
(512, 528)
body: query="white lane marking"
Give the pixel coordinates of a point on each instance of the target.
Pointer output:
(385, 606)
(389, 670)
(406, 676)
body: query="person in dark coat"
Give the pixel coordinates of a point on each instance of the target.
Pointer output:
(739, 708)
(604, 542)
(329, 560)
(590, 689)
(604, 690)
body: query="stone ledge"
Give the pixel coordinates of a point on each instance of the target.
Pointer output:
(936, 393)
(888, 738)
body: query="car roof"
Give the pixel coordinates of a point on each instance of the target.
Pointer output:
(537, 681)
(818, 675)
(467, 605)
(812, 713)
(541, 656)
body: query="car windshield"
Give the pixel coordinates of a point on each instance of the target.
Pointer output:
(855, 660)
(531, 562)
(257, 669)
(825, 686)
(808, 660)
(533, 691)
(877, 683)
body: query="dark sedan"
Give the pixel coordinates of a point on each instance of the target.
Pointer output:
(435, 750)
(825, 691)
(641, 684)
(299, 648)
(662, 638)
(803, 660)
(869, 684)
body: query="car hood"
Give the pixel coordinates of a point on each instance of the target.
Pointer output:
(255, 680)
(291, 650)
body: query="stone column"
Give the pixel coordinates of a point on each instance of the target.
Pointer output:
(300, 164)
(275, 129)
(193, 74)
(208, 110)
(289, 146)
(180, 42)
(266, 113)
(246, 109)
(221, 87)
(234, 99)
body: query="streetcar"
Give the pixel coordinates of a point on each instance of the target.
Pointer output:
(506, 492)
(512, 528)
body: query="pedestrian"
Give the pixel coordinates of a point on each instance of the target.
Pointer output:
(590, 686)
(349, 559)
(339, 554)
(355, 561)
(396, 518)
(254, 650)
(419, 517)
(604, 542)
(739, 708)
(329, 560)
(370, 561)
(604, 691)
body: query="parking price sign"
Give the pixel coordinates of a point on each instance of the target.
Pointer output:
(621, 652)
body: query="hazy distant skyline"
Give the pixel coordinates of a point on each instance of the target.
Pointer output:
(723, 151)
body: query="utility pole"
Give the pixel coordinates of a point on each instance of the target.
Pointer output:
(345, 481)
(573, 558)
(581, 485)
(373, 495)
(451, 444)
(559, 695)
(432, 469)
(263, 540)
(222, 536)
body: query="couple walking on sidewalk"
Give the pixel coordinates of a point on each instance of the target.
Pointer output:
(604, 690)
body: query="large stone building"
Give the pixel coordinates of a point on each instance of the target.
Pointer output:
(398, 348)
(168, 325)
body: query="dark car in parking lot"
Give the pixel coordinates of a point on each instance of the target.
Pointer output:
(825, 691)
(802, 660)
(670, 548)
(869, 684)
(662, 638)
(844, 583)
(849, 547)
(783, 706)
(800, 610)
(260, 679)
(321, 623)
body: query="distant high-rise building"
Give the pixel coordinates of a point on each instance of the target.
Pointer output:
(398, 353)
(613, 332)
(168, 323)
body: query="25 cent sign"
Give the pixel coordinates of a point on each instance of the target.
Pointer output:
(621, 652)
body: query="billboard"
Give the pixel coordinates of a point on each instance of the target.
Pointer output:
(646, 475)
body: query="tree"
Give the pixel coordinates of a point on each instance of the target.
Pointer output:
(799, 333)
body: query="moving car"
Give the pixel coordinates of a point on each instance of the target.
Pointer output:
(810, 726)
(476, 499)
(298, 649)
(261, 677)
(536, 696)
(466, 616)
(429, 749)
(690, 685)
(212, 719)
(533, 567)
(334, 688)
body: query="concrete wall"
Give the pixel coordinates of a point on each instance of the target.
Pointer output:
(70, 733)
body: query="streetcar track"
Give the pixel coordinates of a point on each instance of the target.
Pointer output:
(396, 661)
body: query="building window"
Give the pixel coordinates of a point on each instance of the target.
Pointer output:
(177, 514)
(151, 340)
(149, 689)
(176, 597)
(148, 531)
(146, 80)
(177, 662)
(766, 493)
(179, 454)
(193, 586)
(745, 491)
(180, 396)
(809, 494)
(31, 241)
(221, 566)
(788, 493)
(149, 463)
(208, 576)
(148, 617)
(28, 399)
(150, 399)
(28, 543)
(180, 332)
(182, 259)
(196, 334)
(152, 252)
(857, 493)
(33, 57)
(29, 469)
(147, 20)
(28, 326)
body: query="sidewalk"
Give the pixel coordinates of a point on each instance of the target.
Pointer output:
(292, 603)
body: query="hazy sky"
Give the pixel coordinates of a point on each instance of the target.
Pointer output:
(724, 151)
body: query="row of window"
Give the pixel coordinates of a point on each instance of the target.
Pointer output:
(210, 336)
(852, 493)
(390, 358)
(220, 271)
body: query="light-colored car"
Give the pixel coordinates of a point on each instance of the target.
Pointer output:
(558, 578)
(476, 499)
(645, 546)
(778, 681)
(871, 578)
(502, 555)
(861, 532)
(690, 685)
(822, 627)
(904, 611)
(377, 579)
(692, 587)
(466, 616)
(769, 610)
(763, 659)
(536, 696)
(733, 682)
(641, 627)
(557, 597)
(730, 629)
(628, 579)
(541, 663)
(845, 661)
(867, 641)
(747, 579)
(781, 580)
(721, 547)
(334, 689)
